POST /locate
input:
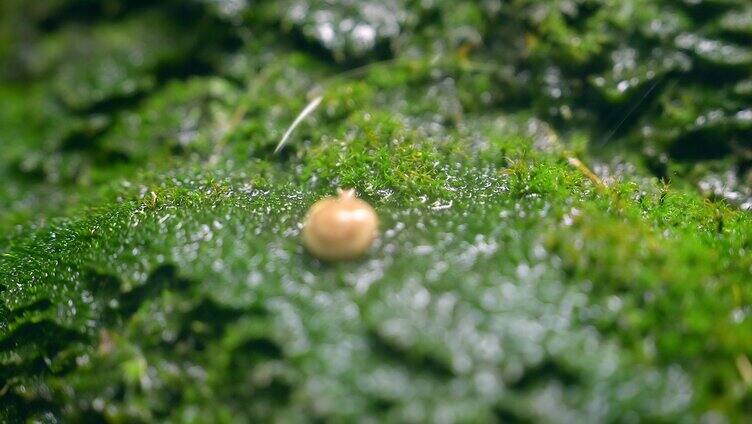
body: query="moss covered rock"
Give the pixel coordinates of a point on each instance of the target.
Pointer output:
(150, 262)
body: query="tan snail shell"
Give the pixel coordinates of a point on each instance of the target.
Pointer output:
(340, 228)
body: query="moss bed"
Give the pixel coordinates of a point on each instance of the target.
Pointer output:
(564, 191)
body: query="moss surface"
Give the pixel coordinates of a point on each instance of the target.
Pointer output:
(150, 263)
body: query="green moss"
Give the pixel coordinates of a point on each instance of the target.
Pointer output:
(150, 263)
(146, 273)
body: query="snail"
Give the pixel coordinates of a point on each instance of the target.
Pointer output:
(340, 228)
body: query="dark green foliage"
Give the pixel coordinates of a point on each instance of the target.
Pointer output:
(150, 267)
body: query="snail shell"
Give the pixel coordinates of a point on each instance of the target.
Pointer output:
(340, 228)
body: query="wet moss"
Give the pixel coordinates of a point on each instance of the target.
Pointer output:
(150, 263)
